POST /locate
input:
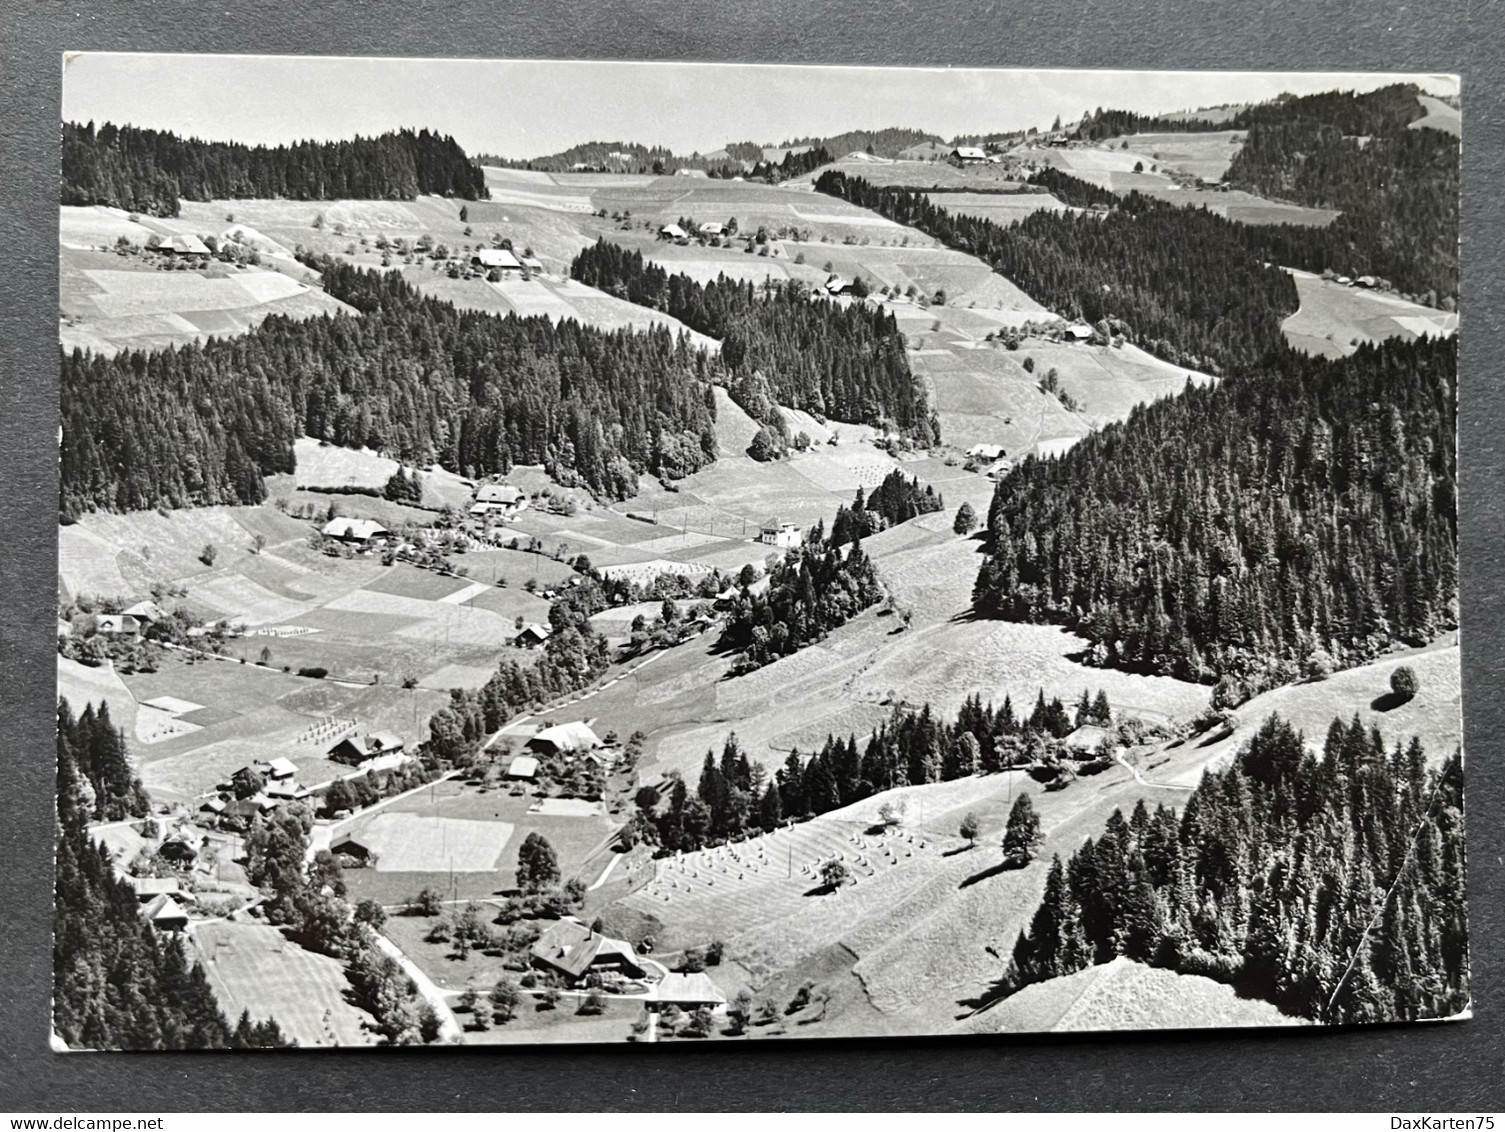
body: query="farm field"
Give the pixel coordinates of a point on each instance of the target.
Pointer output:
(447, 823)
(319, 464)
(1000, 208)
(1334, 320)
(1435, 715)
(252, 966)
(110, 302)
(920, 175)
(1124, 995)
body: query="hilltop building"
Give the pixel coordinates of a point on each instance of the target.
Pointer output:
(776, 533)
(968, 155)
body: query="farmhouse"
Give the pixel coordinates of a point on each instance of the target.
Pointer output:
(688, 992)
(149, 888)
(146, 612)
(712, 228)
(245, 809)
(190, 246)
(166, 914)
(499, 258)
(836, 285)
(572, 950)
(354, 751)
(213, 806)
(277, 770)
(1078, 332)
(1087, 737)
(117, 625)
(775, 533)
(503, 497)
(565, 739)
(532, 636)
(673, 232)
(985, 451)
(968, 155)
(359, 531)
(523, 768)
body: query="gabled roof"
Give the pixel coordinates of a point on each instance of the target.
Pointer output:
(673, 230)
(495, 257)
(281, 768)
(971, 152)
(568, 737)
(986, 451)
(695, 987)
(573, 948)
(190, 245)
(384, 741)
(164, 908)
(534, 630)
(353, 528)
(524, 766)
(149, 887)
(1079, 330)
(532, 263)
(499, 493)
(146, 611)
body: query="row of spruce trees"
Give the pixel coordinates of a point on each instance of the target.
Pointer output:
(150, 170)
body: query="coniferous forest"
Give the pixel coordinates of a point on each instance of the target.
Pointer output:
(1179, 282)
(116, 983)
(412, 377)
(815, 588)
(150, 170)
(1332, 887)
(1297, 515)
(842, 362)
(1396, 187)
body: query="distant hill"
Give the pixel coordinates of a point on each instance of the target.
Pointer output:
(150, 170)
(1125, 995)
(732, 159)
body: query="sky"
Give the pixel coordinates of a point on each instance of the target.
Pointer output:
(529, 108)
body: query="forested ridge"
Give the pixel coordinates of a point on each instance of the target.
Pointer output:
(1288, 519)
(117, 983)
(1333, 887)
(413, 378)
(151, 170)
(1397, 188)
(1179, 282)
(846, 362)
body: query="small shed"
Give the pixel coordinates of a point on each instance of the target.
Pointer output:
(532, 636)
(523, 768)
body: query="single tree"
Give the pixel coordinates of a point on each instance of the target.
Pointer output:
(1403, 682)
(971, 826)
(834, 873)
(505, 998)
(537, 864)
(1021, 836)
(966, 520)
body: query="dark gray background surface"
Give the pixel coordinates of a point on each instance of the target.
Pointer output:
(1437, 1068)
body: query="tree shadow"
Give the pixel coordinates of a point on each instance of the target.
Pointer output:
(1388, 702)
(821, 890)
(958, 849)
(991, 871)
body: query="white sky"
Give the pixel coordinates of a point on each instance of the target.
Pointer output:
(532, 108)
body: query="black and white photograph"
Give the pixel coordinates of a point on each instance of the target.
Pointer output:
(674, 553)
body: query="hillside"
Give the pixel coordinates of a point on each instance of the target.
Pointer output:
(1124, 995)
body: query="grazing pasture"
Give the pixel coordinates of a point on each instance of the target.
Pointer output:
(253, 966)
(1439, 116)
(1334, 320)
